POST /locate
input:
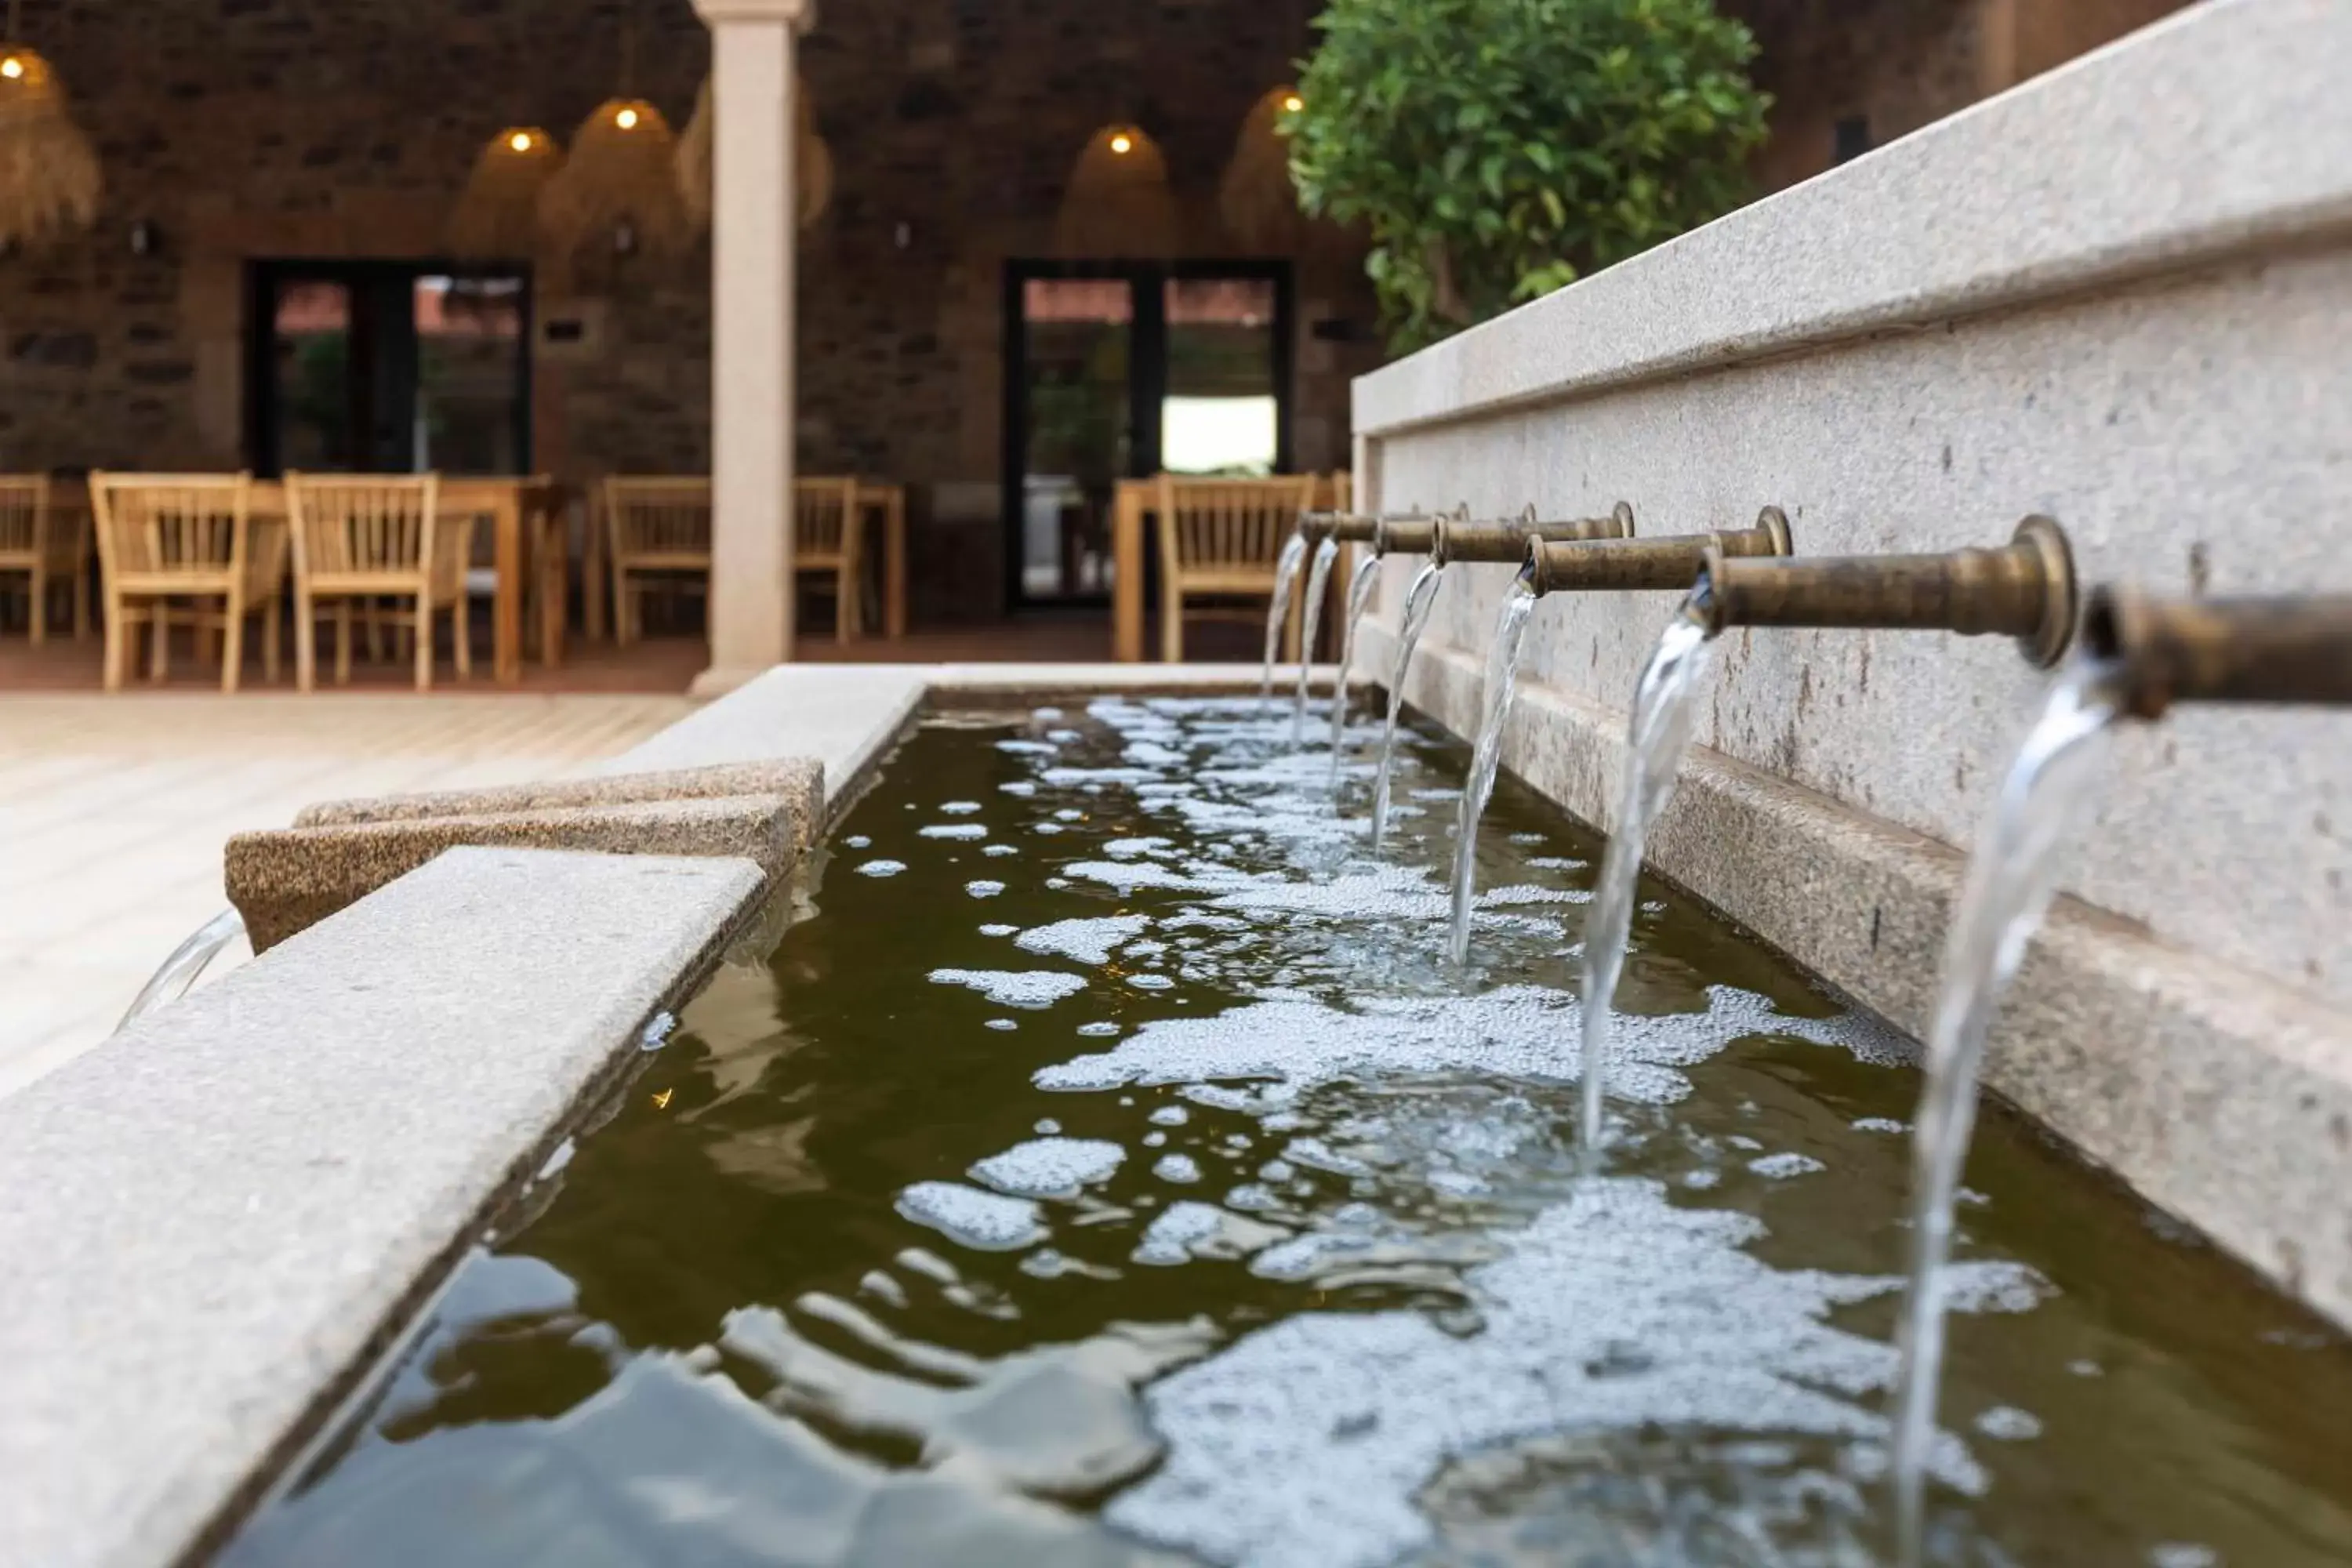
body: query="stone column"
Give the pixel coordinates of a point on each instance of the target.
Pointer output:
(754, 220)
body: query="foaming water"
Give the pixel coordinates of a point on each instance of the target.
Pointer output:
(1665, 712)
(1318, 588)
(1502, 678)
(1277, 610)
(1360, 583)
(1419, 601)
(1181, 1203)
(2013, 873)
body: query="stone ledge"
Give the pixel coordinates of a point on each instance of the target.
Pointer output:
(798, 779)
(210, 1223)
(2221, 1095)
(285, 881)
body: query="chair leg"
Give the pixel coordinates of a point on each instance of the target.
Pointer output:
(374, 621)
(40, 607)
(461, 634)
(81, 605)
(342, 642)
(845, 605)
(306, 642)
(424, 642)
(117, 632)
(1172, 624)
(159, 641)
(233, 644)
(272, 612)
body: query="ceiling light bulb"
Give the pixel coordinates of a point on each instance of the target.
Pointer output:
(1293, 104)
(1122, 143)
(519, 142)
(11, 67)
(626, 120)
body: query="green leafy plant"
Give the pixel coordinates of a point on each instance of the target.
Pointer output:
(1493, 150)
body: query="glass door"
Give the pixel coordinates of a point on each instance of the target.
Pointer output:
(1114, 370)
(387, 367)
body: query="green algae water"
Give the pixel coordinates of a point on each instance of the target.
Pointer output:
(1107, 1167)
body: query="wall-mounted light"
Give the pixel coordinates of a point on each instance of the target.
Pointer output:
(1122, 143)
(626, 120)
(1293, 104)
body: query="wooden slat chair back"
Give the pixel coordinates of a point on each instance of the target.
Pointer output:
(47, 545)
(826, 537)
(660, 531)
(1220, 539)
(363, 537)
(164, 538)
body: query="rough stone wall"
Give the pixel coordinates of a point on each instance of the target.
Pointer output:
(248, 129)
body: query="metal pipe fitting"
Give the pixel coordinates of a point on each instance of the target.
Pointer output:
(2266, 651)
(1625, 564)
(2025, 590)
(1403, 536)
(1458, 538)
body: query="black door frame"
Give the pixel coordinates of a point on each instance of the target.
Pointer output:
(1147, 379)
(391, 374)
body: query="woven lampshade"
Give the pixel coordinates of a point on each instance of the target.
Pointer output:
(622, 171)
(812, 168)
(50, 177)
(497, 215)
(1117, 202)
(1256, 198)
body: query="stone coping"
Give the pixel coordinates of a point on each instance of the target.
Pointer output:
(212, 1223)
(2219, 1095)
(2209, 134)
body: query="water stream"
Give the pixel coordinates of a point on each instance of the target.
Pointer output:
(2011, 875)
(1319, 586)
(187, 961)
(1664, 714)
(1365, 578)
(1502, 676)
(1277, 610)
(1419, 601)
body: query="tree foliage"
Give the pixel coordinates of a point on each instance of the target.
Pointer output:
(1494, 149)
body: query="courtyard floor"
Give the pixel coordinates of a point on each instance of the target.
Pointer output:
(114, 809)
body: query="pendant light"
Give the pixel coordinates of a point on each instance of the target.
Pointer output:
(812, 165)
(617, 194)
(50, 176)
(1118, 203)
(1256, 198)
(497, 216)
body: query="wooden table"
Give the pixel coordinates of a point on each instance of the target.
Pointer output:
(887, 503)
(1130, 499)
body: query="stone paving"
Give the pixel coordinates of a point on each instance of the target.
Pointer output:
(113, 812)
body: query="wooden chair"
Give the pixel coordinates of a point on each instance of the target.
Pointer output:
(359, 538)
(660, 532)
(47, 543)
(546, 560)
(165, 537)
(1220, 539)
(826, 529)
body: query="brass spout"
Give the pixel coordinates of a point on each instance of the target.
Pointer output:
(2025, 590)
(1458, 538)
(2268, 650)
(1403, 536)
(1351, 528)
(1625, 564)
